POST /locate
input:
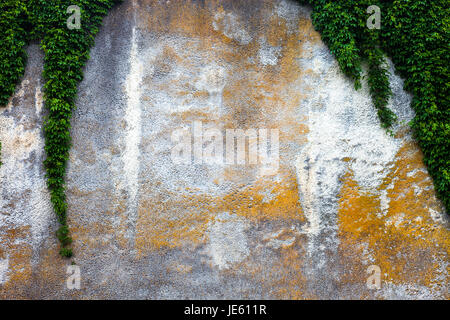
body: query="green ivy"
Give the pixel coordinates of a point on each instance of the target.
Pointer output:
(13, 21)
(342, 25)
(417, 39)
(13, 35)
(66, 53)
(415, 35)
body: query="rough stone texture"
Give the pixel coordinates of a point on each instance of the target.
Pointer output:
(346, 195)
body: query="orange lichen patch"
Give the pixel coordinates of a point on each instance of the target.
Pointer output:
(265, 201)
(403, 240)
(266, 85)
(93, 236)
(254, 95)
(262, 200)
(196, 23)
(169, 223)
(292, 282)
(178, 16)
(165, 219)
(18, 251)
(357, 225)
(172, 220)
(306, 28)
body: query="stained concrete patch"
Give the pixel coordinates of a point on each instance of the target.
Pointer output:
(228, 242)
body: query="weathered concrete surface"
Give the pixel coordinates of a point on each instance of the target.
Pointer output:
(346, 195)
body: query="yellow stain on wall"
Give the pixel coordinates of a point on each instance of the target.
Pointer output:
(174, 220)
(16, 247)
(402, 239)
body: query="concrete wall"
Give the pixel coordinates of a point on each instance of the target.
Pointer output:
(346, 195)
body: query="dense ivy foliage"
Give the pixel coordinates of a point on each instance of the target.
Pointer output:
(66, 52)
(417, 38)
(415, 35)
(13, 36)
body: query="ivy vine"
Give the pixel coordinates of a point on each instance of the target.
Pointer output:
(415, 35)
(66, 53)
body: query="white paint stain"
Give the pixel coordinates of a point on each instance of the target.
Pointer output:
(212, 79)
(4, 263)
(228, 242)
(289, 11)
(308, 184)
(231, 27)
(267, 54)
(131, 156)
(38, 100)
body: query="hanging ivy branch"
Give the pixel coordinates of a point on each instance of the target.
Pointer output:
(66, 53)
(415, 34)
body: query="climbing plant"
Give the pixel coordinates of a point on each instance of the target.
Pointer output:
(66, 52)
(13, 24)
(415, 35)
